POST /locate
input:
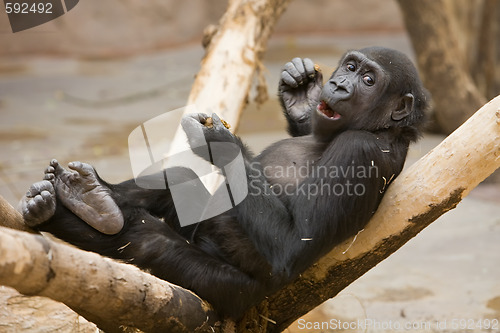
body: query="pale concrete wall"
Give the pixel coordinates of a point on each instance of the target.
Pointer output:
(96, 28)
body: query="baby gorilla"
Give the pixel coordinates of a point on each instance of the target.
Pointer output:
(363, 118)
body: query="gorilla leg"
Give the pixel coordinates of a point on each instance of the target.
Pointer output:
(150, 244)
(145, 241)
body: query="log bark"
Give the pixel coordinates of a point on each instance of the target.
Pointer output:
(115, 296)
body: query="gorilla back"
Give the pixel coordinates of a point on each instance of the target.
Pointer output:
(307, 193)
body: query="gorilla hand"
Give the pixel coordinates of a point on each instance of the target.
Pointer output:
(201, 128)
(204, 131)
(299, 89)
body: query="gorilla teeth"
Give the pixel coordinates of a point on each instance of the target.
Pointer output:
(327, 111)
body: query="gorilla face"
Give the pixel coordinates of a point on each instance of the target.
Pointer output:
(361, 94)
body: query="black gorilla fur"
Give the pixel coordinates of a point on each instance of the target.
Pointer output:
(356, 128)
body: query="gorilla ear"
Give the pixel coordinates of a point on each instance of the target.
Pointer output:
(404, 108)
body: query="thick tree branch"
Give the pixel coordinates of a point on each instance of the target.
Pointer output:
(423, 192)
(106, 292)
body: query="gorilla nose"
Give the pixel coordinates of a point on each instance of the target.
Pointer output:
(341, 84)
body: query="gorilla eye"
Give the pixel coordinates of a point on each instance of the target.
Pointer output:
(368, 80)
(351, 67)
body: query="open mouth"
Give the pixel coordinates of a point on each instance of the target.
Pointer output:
(327, 111)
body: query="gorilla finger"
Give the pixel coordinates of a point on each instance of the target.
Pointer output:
(34, 206)
(309, 67)
(189, 123)
(218, 123)
(83, 169)
(54, 163)
(49, 176)
(38, 200)
(29, 206)
(46, 195)
(288, 79)
(75, 165)
(199, 117)
(299, 65)
(215, 119)
(318, 79)
(32, 191)
(292, 70)
(203, 117)
(47, 186)
(38, 187)
(194, 131)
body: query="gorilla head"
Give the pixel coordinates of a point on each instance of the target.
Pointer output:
(373, 88)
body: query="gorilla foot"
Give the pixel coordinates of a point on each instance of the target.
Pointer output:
(82, 193)
(38, 204)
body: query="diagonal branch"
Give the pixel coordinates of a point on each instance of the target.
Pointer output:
(423, 192)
